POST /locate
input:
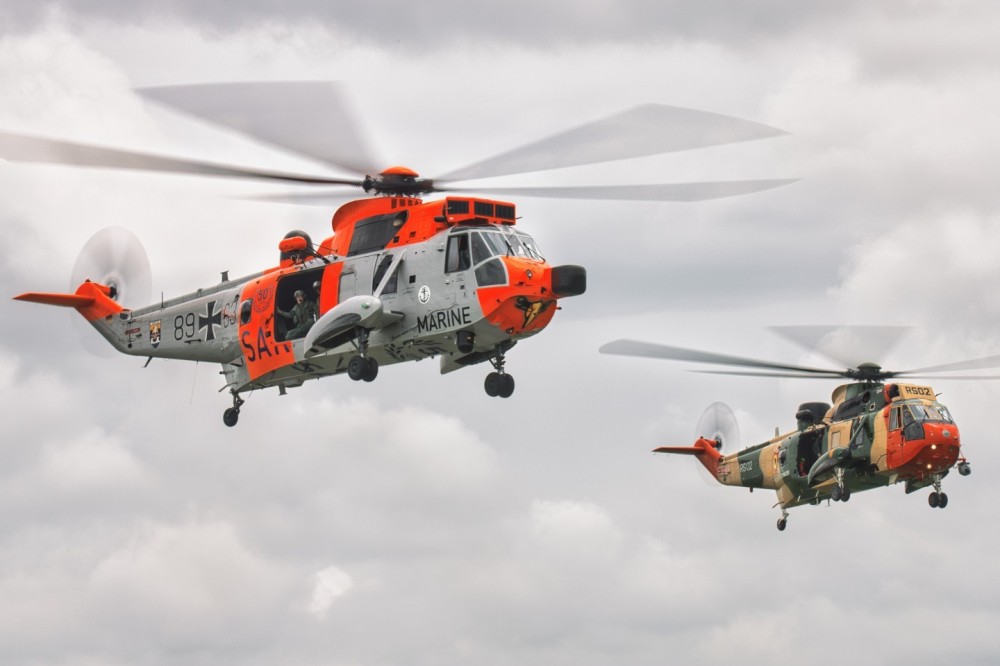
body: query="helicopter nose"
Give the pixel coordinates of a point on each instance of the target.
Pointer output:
(569, 280)
(940, 448)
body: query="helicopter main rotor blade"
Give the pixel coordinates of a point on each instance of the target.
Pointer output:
(848, 346)
(40, 150)
(650, 129)
(833, 374)
(652, 192)
(311, 118)
(973, 364)
(651, 350)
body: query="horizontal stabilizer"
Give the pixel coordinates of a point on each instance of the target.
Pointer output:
(690, 450)
(705, 450)
(92, 300)
(65, 300)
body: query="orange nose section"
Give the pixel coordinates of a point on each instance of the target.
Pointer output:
(936, 452)
(527, 303)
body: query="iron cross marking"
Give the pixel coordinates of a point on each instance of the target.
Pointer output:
(210, 321)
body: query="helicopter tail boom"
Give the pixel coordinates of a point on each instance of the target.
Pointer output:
(704, 450)
(92, 300)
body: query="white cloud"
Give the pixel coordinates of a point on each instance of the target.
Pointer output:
(537, 530)
(331, 584)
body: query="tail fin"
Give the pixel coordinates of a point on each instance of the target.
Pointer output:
(92, 300)
(705, 450)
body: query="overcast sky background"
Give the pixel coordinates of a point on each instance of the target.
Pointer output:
(414, 520)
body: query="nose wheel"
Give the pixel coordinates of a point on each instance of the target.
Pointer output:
(499, 383)
(937, 499)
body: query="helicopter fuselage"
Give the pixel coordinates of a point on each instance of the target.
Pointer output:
(875, 435)
(399, 280)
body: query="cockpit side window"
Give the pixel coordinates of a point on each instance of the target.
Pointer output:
(457, 257)
(894, 418)
(480, 250)
(497, 243)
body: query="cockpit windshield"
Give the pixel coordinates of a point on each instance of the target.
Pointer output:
(920, 411)
(510, 243)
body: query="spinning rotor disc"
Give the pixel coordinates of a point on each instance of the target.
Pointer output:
(115, 258)
(315, 120)
(718, 422)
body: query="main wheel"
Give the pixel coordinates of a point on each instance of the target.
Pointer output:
(493, 384)
(371, 370)
(782, 523)
(933, 500)
(942, 500)
(836, 494)
(231, 416)
(356, 368)
(506, 386)
(845, 495)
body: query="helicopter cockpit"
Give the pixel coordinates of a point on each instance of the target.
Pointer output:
(918, 411)
(481, 247)
(910, 415)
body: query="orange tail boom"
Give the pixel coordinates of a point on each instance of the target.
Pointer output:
(704, 450)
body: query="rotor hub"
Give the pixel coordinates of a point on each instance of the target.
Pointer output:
(398, 181)
(869, 372)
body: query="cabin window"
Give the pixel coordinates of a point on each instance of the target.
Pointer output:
(246, 307)
(491, 273)
(894, 418)
(457, 257)
(383, 266)
(374, 233)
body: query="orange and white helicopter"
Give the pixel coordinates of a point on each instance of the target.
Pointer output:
(400, 278)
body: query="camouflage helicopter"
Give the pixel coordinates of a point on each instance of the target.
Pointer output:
(400, 278)
(875, 433)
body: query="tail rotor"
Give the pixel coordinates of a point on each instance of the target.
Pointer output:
(114, 257)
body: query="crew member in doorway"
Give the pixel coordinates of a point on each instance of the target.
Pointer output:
(303, 315)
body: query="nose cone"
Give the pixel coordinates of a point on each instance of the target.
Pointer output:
(569, 280)
(938, 451)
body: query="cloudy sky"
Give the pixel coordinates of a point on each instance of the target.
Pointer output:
(414, 520)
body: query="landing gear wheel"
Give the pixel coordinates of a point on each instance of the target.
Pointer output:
(933, 499)
(493, 384)
(836, 494)
(845, 494)
(357, 367)
(371, 370)
(232, 415)
(499, 383)
(965, 469)
(942, 500)
(782, 523)
(506, 386)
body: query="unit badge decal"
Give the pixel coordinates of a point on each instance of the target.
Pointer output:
(154, 333)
